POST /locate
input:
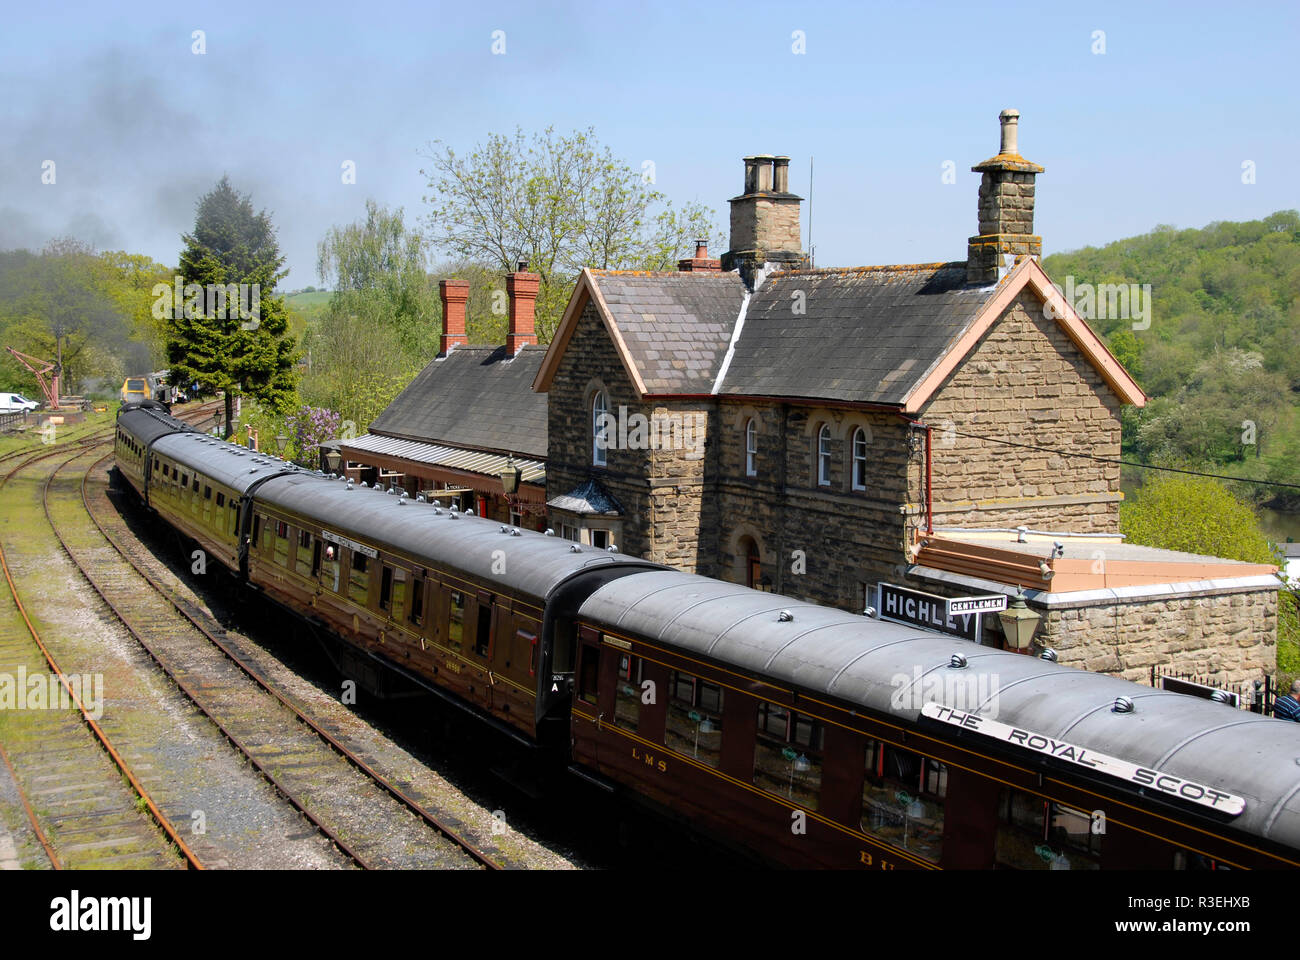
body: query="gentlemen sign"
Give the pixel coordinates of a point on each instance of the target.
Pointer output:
(1081, 757)
(926, 610)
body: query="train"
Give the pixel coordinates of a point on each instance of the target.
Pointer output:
(795, 734)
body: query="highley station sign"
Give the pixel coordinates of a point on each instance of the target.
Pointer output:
(955, 616)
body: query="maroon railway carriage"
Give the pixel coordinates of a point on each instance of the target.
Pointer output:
(802, 733)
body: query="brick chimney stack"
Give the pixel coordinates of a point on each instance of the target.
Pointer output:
(454, 294)
(765, 219)
(700, 262)
(521, 288)
(1006, 209)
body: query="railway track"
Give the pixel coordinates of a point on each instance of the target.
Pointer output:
(89, 779)
(113, 530)
(356, 807)
(371, 817)
(71, 786)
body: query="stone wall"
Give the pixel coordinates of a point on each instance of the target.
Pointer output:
(819, 543)
(1229, 637)
(661, 490)
(1028, 383)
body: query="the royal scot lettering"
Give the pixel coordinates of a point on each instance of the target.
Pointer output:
(1073, 753)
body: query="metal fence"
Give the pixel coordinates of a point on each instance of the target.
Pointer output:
(1257, 697)
(12, 421)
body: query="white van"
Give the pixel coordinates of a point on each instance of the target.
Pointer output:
(16, 403)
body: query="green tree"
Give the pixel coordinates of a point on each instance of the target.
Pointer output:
(1194, 515)
(210, 341)
(382, 321)
(560, 202)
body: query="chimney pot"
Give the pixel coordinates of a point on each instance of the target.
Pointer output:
(521, 289)
(764, 184)
(702, 248)
(1010, 120)
(751, 175)
(454, 294)
(781, 174)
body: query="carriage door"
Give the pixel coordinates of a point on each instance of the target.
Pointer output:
(593, 696)
(483, 615)
(328, 567)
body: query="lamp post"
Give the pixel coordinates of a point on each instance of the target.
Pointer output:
(1019, 622)
(510, 478)
(332, 460)
(281, 441)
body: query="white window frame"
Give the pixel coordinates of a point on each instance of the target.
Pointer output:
(599, 405)
(751, 448)
(859, 458)
(824, 456)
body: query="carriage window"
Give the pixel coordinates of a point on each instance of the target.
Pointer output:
(788, 754)
(358, 579)
(386, 587)
(694, 725)
(902, 799)
(589, 680)
(196, 483)
(207, 492)
(627, 692)
(417, 601)
(483, 636)
(525, 640)
(456, 620)
(221, 499)
(1038, 834)
(257, 527)
(306, 562)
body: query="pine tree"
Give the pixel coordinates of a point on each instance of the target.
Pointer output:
(224, 336)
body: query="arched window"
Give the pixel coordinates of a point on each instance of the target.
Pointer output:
(859, 459)
(599, 428)
(824, 456)
(751, 448)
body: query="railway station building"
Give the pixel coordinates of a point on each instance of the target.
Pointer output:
(469, 430)
(948, 427)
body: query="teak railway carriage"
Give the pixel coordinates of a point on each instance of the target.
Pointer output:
(802, 735)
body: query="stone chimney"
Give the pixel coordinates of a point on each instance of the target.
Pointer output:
(521, 288)
(700, 263)
(454, 294)
(765, 219)
(1006, 210)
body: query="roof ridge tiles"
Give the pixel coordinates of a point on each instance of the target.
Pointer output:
(878, 268)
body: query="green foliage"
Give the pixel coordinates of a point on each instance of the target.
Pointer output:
(1194, 515)
(1221, 359)
(59, 306)
(382, 321)
(231, 244)
(1288, 637)
(560, 202)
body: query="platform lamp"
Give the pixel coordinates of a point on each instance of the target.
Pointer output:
(510, 476)
(1019, 622)
(332, 460)
(281, 441)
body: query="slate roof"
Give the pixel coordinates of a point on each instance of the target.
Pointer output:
(677, 326)
(588, 498)
(868, 334)
(476, 398)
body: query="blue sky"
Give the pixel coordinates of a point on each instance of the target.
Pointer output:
(1154, 130)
